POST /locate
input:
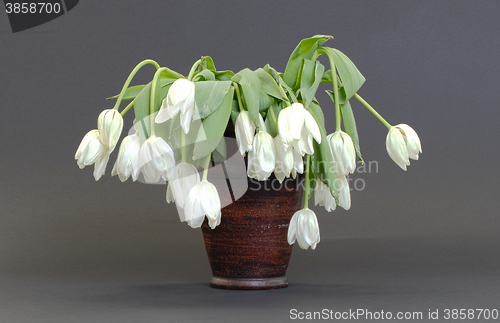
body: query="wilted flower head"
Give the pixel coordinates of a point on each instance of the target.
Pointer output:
(245, 130)
(304, 228)
(261, 159)
(110, 125)
(154, 160)
(323, 196)
(180, 97)
(343, 152)
(295, 123)
(203, 199)
(181, 179)
(403, 143)
(126, 161)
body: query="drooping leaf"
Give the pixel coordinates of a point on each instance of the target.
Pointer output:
(350, 126)
(235, 111)
(351, 78)
(205, 75)
(209, 95)
(141, 103)
(268, 84)
(265, 101)
(220, 152)
(312, 73)
(208, 63)
(130, 93)
(224, 75)
(270, 123)
(322, 160)
(213, 128)
(250, 91)
(305, 49)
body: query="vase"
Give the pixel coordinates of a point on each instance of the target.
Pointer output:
(249, 248)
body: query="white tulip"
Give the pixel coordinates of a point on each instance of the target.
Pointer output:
(245, 130)
(304, 228)
(182, 178)
(295, 123)
(298, 163)
(411, 139)
(110, 125)
(284, 160)
(154, 160)
(343, 152)
(396, 147)
(90, 150)
(126, 161)
(345, 193)
(261, 159)
(180, 97)
(323, 196)
(100, 166)
(203, 199)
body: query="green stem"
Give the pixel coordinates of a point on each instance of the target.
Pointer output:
(205, 170)
(131, 104)
(130, 77)
(193, 69)
(238, 95)
(152, 100)
(273, 116)
(372, 110)
(306, 193)
(335, 90)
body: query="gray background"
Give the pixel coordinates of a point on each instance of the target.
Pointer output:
(73, 250)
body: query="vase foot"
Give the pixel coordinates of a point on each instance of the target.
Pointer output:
(249, 283)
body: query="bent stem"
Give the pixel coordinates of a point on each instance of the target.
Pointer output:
(335, 90)
(207, 164)
(372, 110)
(130, 105)
(130, 77)
(152, 99)
(306, 193)
(238, 95)
(193, 69)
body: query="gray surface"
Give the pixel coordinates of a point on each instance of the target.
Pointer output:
(73, 250)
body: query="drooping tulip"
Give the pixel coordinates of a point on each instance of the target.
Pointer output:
(244, 130)
(181, 179)
(412, 141)
(396, 147)
(180, 97)
(261, 159)
(90, 149)
(304, 228)
(154, 160)
(345, 193)
(323, 196)
(283, 160)
(344, 154)
(110, 126)
(126, 161)
(202, 200)
(295, 123)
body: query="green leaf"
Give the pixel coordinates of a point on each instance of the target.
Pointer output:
(270, 126)
(209, 95)
(224, 75)
(250, 91)
(130, 93)
(220, 152)
(350, 126)
(141, 103)
(208, 63)
(213, 128)
(205, 75)
(268, 84)
(305, 49)
(235, 111)
(351, 78)
(312, 73)
(265, 101)
(322, 160)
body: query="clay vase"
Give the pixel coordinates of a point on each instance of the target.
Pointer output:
(249, 249)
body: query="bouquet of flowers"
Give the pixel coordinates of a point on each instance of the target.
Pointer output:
(180, 122)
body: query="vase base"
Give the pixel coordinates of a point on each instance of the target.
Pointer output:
(249, 283)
